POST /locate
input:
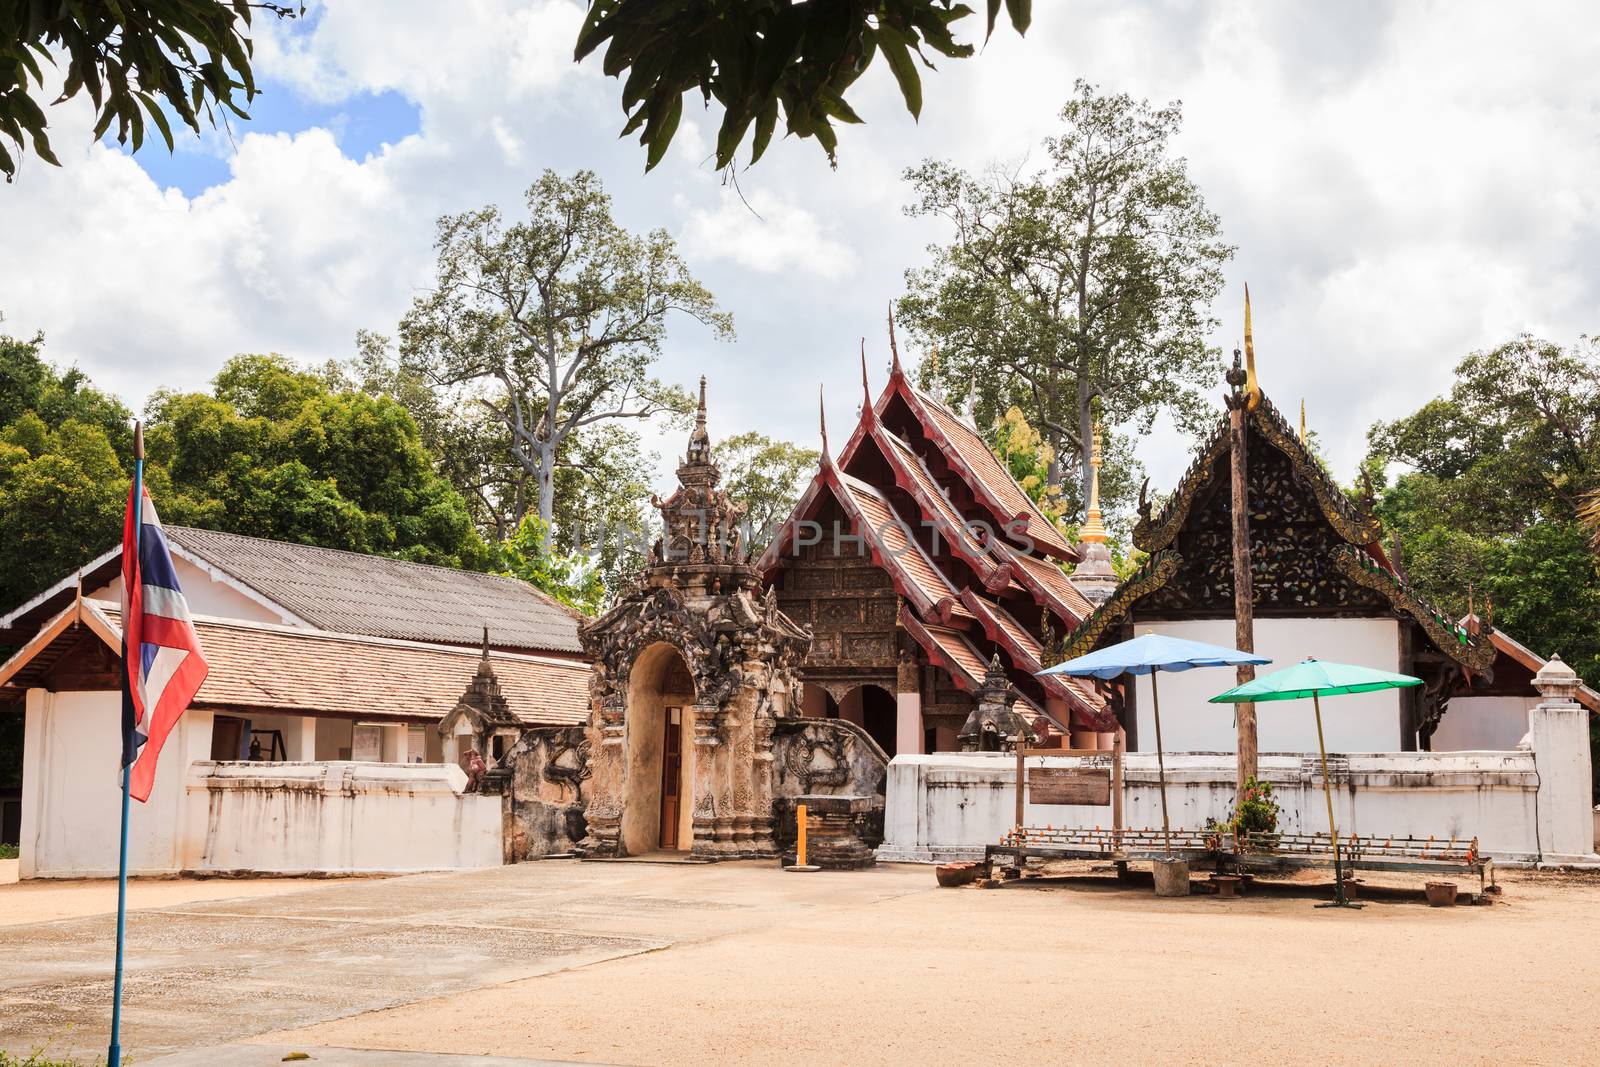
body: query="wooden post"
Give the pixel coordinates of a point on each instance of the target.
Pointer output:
(1244, 636)
(1161, 764)
(1118, 746)
(1021, 781)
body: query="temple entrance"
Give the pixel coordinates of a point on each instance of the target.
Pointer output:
(658, 795)
(671, 776)
(871, 707)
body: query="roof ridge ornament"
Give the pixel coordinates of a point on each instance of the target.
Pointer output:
(822, 423)
(866, 389)
(894, 349)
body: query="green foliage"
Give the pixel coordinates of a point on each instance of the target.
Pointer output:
(1490, 485)
(549, 328)
(62, 485)
(570, 577)
(279, 452)
(136, 59)
(1079, 290)
(767, 476)
(1256, 811)
(8, 852)
(754, 58)
(1029, 457)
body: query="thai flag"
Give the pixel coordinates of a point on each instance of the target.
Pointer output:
(162, 664)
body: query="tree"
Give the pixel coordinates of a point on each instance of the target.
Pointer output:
(285, 453)
(570, 577)
(603, 472)
(135, 58)
(552, 324)
(767, 476)
(802, 55)
(62, 484)
(1079, 289)
(1489, 483)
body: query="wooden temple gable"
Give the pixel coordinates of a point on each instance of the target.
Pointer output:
(1313, 553)
(942, 566)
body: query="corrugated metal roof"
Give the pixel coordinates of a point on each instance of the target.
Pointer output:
(348, 592)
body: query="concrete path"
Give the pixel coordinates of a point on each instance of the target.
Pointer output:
(204, 974)
(317, 1056)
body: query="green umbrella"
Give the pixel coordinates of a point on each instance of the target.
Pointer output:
(1316, 679)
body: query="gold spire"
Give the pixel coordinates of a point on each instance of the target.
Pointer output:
(1302, 420)
(1093, 529)
(1252, 387)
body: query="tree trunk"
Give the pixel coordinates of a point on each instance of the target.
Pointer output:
(547, 490)
(1085, 437)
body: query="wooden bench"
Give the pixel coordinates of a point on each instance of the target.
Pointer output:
(1081, 843)
(1268, 852)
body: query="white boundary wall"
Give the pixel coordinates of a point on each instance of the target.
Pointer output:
(289, 818)
(1528, 805)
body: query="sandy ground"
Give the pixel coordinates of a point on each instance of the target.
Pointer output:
(48, 900)
(1081, 972)
(634, 963)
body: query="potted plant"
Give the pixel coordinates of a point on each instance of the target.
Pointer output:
(1256, 812)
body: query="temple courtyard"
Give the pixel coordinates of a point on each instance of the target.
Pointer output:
(654, 963)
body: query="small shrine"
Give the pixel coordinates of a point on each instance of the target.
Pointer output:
(694, 668)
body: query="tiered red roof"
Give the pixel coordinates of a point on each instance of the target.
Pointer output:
(976, 562)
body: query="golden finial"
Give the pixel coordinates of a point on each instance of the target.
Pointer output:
(1094, 527)
(1302, 420)
(1252, 386)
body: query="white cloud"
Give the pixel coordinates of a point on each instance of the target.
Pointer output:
(766, 234)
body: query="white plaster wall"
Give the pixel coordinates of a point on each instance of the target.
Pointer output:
(338, 817)
(276, 817)
(1365, 722)
(1478, 723)
(207, 594)
(951, 805)
(72, 792)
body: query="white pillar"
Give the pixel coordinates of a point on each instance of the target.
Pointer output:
(394, 743)
(908, 724)
(33, 783)
(300, 739)
(1558, 733)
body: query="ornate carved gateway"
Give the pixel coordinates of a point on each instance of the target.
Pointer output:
(693, 670)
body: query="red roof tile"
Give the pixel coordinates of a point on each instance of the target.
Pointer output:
(312, 672)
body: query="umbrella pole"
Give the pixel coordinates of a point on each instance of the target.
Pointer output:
(1161, 763)
(1339, 900)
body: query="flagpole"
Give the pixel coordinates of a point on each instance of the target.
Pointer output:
(114, 1053)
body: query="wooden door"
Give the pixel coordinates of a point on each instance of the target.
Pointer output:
(227, 738)
(671, 775)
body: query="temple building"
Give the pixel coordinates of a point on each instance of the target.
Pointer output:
(918, 562)
(1324, 586)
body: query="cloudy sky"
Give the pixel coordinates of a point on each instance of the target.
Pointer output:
(1405, 182)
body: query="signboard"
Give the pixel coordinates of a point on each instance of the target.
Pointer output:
(1069, 785)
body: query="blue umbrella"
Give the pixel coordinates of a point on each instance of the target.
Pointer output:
(1147, 655)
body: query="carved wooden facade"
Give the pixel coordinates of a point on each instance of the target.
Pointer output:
(917, 560)
(1314, 553)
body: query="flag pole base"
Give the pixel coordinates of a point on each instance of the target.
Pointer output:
(1340, 904)
(803, 868)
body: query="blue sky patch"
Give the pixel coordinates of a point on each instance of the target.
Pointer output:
(361, 125)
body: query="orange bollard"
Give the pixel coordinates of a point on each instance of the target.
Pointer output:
(800, 863)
